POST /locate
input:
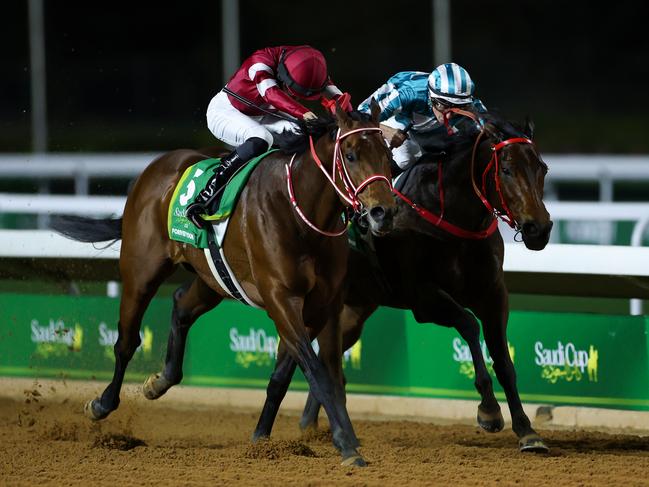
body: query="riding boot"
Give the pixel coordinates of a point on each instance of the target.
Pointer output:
(208, 198)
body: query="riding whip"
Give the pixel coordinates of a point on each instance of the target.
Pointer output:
(245, 101)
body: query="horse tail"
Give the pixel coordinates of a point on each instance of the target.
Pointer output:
(89, 230)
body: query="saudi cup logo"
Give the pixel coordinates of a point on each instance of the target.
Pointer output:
(462, 355)
(566, 362)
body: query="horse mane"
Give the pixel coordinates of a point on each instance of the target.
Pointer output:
(298, 142)
(501, 127)
(463, 141)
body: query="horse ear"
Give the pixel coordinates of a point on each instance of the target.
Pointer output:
(342, 117)
(375, 111)
(529, 128)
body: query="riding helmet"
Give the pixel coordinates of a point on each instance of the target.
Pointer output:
(303, 70)
(452, 83)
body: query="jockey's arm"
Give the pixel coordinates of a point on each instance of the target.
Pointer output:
(280, 100)
(262, 74)
(390, 105)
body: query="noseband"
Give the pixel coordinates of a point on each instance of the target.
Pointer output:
(339, 169)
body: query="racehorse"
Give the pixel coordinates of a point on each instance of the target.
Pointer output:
(452, 258)
(284, 243)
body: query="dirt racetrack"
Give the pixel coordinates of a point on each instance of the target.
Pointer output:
(45, 439)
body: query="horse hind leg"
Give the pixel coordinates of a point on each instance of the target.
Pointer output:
(139, 286)
(190, 302)
(275, 392)
(309, 419)
(489, 417)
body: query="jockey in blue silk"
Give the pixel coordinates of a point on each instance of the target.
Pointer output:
(415, 101)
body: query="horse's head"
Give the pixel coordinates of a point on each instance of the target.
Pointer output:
(517, 174)
(365, 159)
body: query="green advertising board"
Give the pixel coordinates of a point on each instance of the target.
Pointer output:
(560, 358)
(73, 337)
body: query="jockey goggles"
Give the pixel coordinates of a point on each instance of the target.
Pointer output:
(440, 104)
(285, 77)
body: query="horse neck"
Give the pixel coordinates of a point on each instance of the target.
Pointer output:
(462, 206)
(314, 193)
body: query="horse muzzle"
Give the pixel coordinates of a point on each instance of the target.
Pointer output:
(536, 235)
(380, 219)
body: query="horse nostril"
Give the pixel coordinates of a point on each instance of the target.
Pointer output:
(531, 229)
(377, 213)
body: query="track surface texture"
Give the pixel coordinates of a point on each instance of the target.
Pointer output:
(45, 439)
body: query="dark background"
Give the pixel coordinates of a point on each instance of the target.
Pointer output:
(140, 76)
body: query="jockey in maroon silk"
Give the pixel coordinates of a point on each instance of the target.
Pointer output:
(273, 79)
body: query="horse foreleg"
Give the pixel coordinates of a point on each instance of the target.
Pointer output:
(138, 289)
(190, 302)
(351, 320)
(287, 314)
(443, 310)
(494, 324)
(275, 392)
(331, 351)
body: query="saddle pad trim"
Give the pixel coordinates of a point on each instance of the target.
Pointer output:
(177, 189)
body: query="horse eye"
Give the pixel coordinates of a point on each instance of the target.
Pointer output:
(350, 156)
(506, 171)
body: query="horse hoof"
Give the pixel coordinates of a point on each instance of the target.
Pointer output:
(155, 386)
(532, 443)
(354, 461)
(491, 422)
(93, 410)
(260, 437)
(306, 427)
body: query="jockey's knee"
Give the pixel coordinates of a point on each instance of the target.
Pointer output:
(401, 161)
(253, 147)
(258, 134)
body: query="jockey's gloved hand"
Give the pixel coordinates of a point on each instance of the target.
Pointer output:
(309, 116)
(398, 138)
(311, 126)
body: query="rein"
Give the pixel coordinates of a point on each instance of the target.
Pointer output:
(438, 220)
(507, 217)
(338, 169)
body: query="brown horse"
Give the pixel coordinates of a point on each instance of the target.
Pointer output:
(437, 275)
(283, 264)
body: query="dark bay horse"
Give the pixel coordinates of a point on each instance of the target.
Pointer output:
(438, 275)
(284, 264)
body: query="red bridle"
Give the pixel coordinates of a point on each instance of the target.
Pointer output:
(507, 217)
(338, 169)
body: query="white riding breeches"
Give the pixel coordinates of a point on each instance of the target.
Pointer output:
(233, 127)
(406, 153)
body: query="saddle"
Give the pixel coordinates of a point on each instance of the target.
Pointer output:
(193, 180)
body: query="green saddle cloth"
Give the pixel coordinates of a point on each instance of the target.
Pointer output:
(355, 239)
(194, 180)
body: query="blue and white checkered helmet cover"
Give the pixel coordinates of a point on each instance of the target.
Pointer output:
(451, 82)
